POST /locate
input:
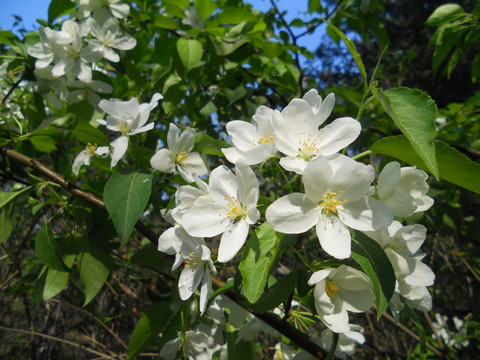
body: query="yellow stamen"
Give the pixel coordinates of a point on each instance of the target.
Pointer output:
(331, 288)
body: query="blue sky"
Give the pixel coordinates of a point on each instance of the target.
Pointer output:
(30, 10)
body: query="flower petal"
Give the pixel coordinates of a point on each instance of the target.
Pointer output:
(189, 280)
(316, 178)
(334, 237)
(293, 214)
(162, 161)
(366, 214)
(119, 148)
(232, 241)
(192, 166)
(338, 134)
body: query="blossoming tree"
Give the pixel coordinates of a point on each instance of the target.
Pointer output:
(295, 225)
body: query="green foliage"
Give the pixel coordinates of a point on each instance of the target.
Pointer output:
(48, 250)
(371, 257)
(274, 295)
(414, 113)
(453, 166)
(126, 196)
(259, 257)
(59, 8)
(148, 327)
(93, 274)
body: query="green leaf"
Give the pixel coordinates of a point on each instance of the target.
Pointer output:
(148, 328)
(204, 8)
(190, 52)
(7, 37)
(353, 50)
(59, 8)
(274, 295)
(48, 250)
(6, 226)
(86, 133)
(206, 144)
(235, 94)
(373, 260)
(55, 282)
(235, 15)
(6, 197)
(43, 143)
(413, 112)
(445, 14)
(164, 22)
(453, 166)
(126, 196)
(260, 256)
(93, 274)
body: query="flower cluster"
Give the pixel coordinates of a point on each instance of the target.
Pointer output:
(339, 195)
(65, 58)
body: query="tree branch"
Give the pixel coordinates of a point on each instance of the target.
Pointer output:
(283, 327)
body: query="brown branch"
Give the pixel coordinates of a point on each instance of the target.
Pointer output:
(283, 327)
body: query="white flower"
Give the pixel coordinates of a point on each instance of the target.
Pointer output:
(195, 255)
(102, 10)
(334, 200)
(253, 143)
(404, 189)
(346, 341)
(85, 156)
(231, 209)
(45, 50)
(178, 156)
(88, 90)
(338, 291)
(252, 327)
(186, 196)
(74, 58)
(128, 118)
(283, 352)
(107, 38)
(298, 137)
(456, 338)
(401, 244)
(195, 347)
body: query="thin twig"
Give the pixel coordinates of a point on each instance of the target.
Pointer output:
(411, 333)
(95, 318)
(71, 343)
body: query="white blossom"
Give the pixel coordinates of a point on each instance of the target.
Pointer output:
(85, 156)
(179, 156)
(107, 38)
(253, 143)
(334, 200)
(404, 189)
(229, 211)
(338, 291)
(297, 133)
(346, 341)
(128, 118)
(401, 244)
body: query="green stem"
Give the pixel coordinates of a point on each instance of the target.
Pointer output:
(365, 153)
(283, 173)
(305, 262)
(364, 106)
(331, 353)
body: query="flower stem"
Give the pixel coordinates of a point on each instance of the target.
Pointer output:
(365, 153)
